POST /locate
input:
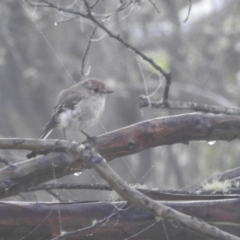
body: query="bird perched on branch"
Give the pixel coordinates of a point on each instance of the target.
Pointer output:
(78, 107)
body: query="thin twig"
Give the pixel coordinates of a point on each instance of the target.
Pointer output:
(78, 186)
(66, 20)
(86, 52)
(55, 195)
(100, 165)
(95, 225)
(155, 6)
(144, 102)
(117, 37)
(94, 4)
(189, 10)
(135, 50)
(59, 9)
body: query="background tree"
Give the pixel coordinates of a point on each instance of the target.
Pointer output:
(43, 50)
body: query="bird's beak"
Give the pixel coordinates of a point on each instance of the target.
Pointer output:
(107, 90)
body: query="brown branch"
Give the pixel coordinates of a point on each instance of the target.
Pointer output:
(132, 139)
(203, 126)
(99, 164)
(45, 217)
(41, 220)
(143, 135)
(95, 224)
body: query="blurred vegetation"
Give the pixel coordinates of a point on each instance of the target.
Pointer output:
(39, 58)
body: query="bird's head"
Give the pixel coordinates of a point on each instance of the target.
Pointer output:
(95, 87)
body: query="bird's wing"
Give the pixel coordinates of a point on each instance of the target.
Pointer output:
(65, 101)
(51, 124)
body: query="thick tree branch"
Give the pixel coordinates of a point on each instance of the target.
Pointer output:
(122, 142)
(136, 198)
(143, 135)
(44, 218)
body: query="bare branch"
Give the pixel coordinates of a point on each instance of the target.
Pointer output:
(117, 37)
(189, 10)
(169, 195)
(155, 6)
(55, 195)
(232, 174)
(135, 50)
(45, 216)
(122, 142)
(59, 9)
(96, 186)
(86, 52)
(136, 198)
(144, 102)
(96, 224)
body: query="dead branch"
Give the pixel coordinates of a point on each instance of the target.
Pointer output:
(99, 164)
(129, 140)
(44, 218)
(168, 195)
(88, 14)
(144, 102)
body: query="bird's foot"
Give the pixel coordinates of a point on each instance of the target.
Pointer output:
(89, 138)
(31, 155)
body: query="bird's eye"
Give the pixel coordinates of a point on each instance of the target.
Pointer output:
(95, 90)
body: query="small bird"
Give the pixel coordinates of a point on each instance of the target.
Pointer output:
(78, 107)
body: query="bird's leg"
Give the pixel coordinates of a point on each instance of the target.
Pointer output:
(88, 137)
(31, 155)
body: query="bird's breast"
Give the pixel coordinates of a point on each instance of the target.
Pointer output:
(85, 114)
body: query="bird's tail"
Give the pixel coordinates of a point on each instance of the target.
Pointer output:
(46, 131)
(49, 127)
